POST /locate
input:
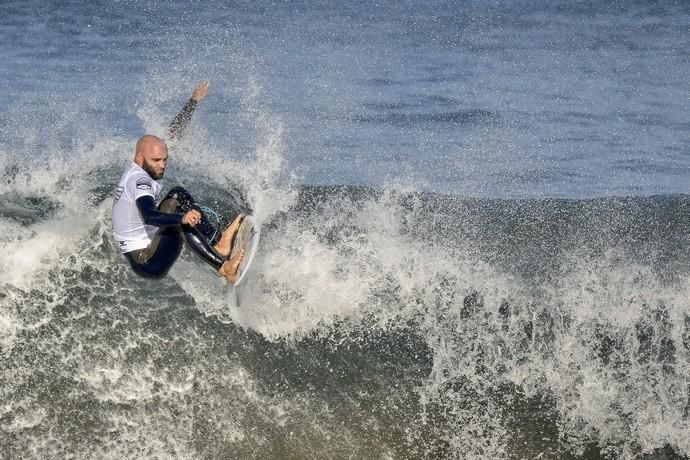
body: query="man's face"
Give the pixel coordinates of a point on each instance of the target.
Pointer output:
(155, 161)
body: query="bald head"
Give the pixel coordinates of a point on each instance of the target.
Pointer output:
(152, 155)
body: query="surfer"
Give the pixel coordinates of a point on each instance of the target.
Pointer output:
(151, 237)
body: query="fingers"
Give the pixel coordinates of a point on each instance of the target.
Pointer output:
(200, 91)
(192, 218)
(196, 217)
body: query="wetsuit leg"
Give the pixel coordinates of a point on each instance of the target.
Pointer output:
(156, 260)
(200, 246)
(200, 238)
(185, 203)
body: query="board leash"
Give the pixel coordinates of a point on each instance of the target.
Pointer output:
(208, 211)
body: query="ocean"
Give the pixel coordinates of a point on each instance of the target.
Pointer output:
(475, 221)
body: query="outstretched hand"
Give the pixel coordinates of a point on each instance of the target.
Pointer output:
(200, 91)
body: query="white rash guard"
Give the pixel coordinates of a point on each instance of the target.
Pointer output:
(129, 229)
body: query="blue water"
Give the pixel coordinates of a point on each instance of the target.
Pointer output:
(474, 239)
(487, 99)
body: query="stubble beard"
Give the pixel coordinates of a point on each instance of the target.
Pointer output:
(151, 172)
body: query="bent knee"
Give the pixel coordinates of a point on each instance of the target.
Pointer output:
(179, 193)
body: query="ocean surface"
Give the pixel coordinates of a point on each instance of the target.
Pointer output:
(475, 226)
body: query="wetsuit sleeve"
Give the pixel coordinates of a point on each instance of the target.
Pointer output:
(153, 216)
(179, 124)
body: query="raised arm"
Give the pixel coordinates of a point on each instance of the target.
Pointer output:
(180, 122)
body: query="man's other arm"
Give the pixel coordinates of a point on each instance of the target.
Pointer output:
(181, 121)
